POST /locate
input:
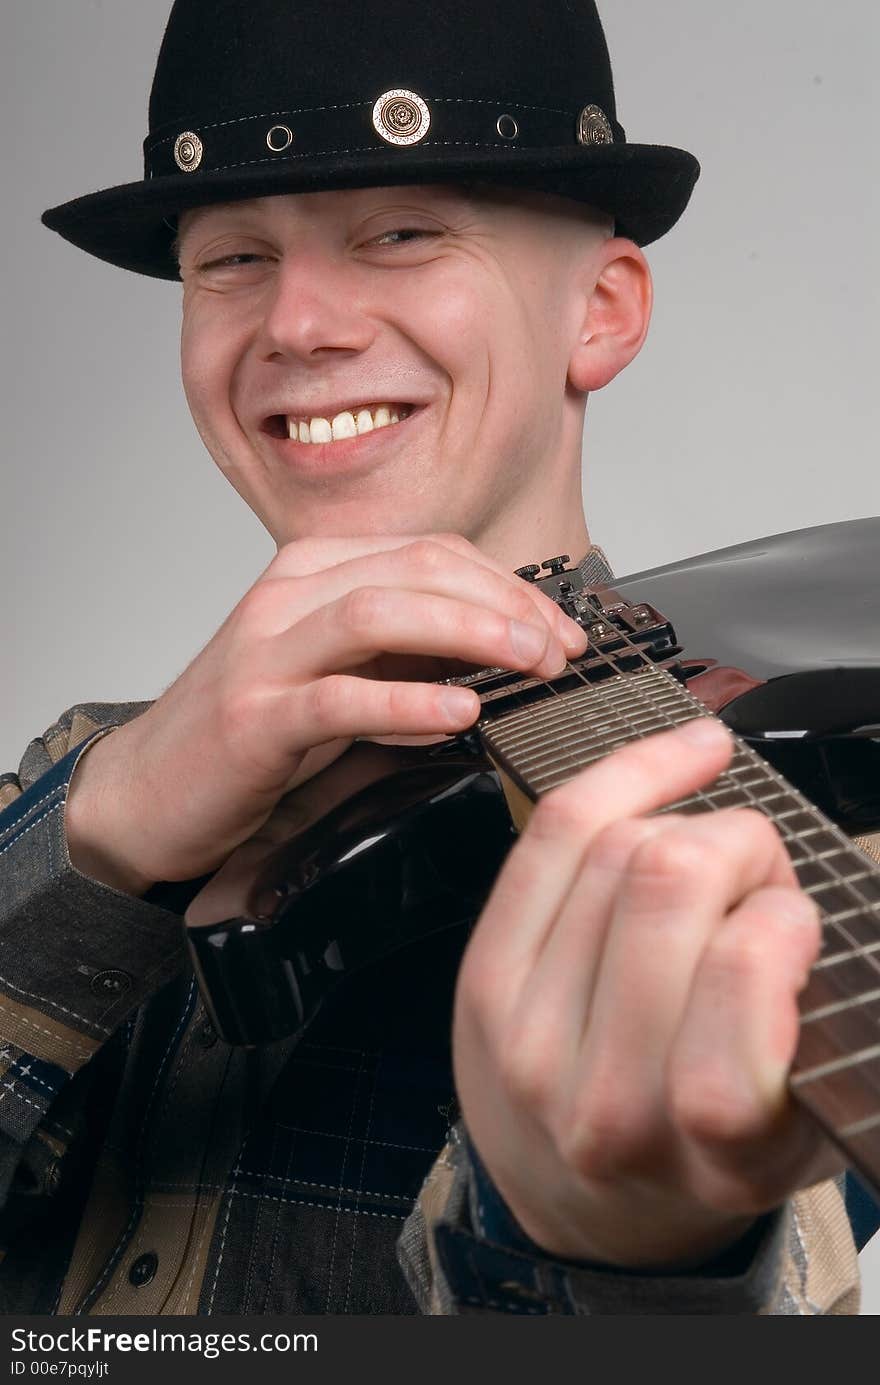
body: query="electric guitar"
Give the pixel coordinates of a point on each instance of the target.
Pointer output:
(391, 844)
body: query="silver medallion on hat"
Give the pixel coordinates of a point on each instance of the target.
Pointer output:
(401, 117)
(594, 127)
(188, 150)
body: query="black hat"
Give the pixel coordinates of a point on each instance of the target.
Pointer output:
(255, 97)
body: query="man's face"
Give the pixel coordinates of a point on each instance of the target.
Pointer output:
(452, 308)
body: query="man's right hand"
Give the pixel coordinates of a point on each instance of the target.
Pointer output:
(337, 639)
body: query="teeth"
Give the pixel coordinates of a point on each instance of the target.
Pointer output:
(345, 425)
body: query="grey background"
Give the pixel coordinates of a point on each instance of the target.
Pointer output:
(752, 410)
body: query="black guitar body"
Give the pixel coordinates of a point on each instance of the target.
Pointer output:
(780, 637)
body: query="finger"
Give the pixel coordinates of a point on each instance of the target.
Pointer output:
(373, 621)
(472, 573)
(541, 870)
(677, 887)
(539, 1025)
(344, 705)
(425, 568)
(728, 1069)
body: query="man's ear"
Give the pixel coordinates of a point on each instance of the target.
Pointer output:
(620, 295)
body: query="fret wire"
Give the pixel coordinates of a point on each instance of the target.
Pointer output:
(850, 881)
(609, 705)
(848, 1060)
(569, 746)
(565, 745)
(829, 921)
(848, 1132)
(825, 963)
(617, 688)
(523, 723)
(577, 706)
(742, 753)
(840, 915)
(837, 1007)
(846, 847)
(545, 724)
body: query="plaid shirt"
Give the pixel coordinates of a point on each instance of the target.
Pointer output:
(146, 1167)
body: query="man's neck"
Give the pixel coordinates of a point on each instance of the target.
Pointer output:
(519, 544)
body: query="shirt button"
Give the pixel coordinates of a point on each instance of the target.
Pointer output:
(110, 983)
(207, 1034)
(143, 1269)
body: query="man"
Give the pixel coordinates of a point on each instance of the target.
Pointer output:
(400, 285)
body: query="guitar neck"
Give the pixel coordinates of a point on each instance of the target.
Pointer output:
(552, 734)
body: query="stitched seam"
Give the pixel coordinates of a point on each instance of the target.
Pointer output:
(360, 1181)
(333, 1135)
(276, 1234)
(255, 1237)
(58, 1126)
(27, 1101)
(266, 115)
(138, 1206)
(162, 1185)
(300, 1202)
(59, 789)
(31, 825)
(67, 1043)
(322, 1206)
(33, 995)
(331, 1187)
(196, 1254)
(26, 1072)
(220, 1253)
(360, 105)
(368, 149)
(353, 1108)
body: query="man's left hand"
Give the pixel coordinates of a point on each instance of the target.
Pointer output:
(626, 1016)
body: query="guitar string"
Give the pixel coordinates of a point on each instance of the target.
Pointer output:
(753, 759)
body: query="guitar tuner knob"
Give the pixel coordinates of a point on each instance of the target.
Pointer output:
(557, 565)
(528, 573)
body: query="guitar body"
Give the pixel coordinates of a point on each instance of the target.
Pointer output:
(390, 844)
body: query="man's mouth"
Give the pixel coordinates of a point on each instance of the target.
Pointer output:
(350, 423)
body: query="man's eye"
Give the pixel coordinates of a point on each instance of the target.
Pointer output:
(232, 261)
(407, 232)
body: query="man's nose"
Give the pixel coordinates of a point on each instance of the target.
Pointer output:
(314, 306)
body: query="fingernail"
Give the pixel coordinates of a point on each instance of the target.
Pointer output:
(528, 642)
(573, 636)
(799, 909)
(704, 731)
(458, 704)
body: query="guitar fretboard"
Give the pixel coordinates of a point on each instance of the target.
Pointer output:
(836, 1073)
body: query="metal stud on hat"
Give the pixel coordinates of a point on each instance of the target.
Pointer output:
(401, 117)
(594, 127)
(188, 150)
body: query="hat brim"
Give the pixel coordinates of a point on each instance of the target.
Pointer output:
(644, 187)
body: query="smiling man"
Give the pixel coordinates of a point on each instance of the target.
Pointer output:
(402, 278)
(333, 314)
